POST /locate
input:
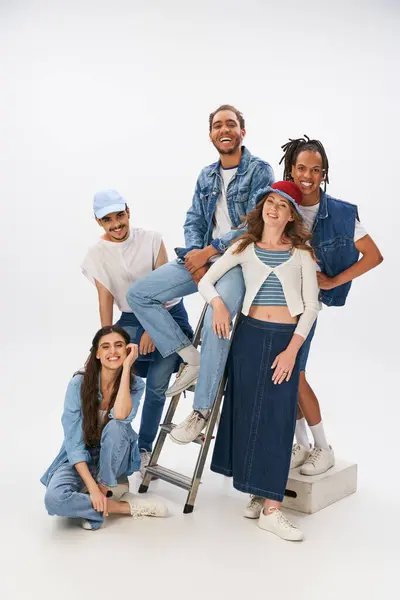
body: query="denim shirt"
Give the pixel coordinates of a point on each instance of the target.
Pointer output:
(252, 175)
(73, 449)
(333, 242)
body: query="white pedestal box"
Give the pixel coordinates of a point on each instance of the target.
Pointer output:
(310, 494)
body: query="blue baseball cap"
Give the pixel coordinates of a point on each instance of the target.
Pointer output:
(106, 202)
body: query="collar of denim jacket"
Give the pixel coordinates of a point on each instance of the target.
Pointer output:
(323, 205)
(242, 167)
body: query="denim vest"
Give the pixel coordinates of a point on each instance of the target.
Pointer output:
(252, 175)
(333, 242)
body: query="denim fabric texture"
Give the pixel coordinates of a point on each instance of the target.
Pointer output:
(255, 435)
(116, 456)
(131, 324)
(252, 175)
(305, 349)
(74, 449)
(333, 242)
(146, 297)
(157, 371)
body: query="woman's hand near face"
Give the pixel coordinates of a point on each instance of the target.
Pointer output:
(221, 318)
(132, 354)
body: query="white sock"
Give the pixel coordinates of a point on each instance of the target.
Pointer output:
(301, 433)
(190, 355)
(319, 436)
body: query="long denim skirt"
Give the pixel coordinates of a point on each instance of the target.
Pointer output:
(255, 435)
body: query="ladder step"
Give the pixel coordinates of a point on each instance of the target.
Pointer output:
(168, 427)
(165, 474)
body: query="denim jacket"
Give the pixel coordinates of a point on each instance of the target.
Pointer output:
(252, 174)
(333, 242)
(73, 449)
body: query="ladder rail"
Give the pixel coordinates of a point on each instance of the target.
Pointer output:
(153, 469)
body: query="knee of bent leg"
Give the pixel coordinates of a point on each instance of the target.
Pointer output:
(53, 500)
(135, 293)
(114, 430)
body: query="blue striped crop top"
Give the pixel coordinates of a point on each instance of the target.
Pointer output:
(271, 292)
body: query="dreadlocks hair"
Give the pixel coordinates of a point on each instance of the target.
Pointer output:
(292, 149)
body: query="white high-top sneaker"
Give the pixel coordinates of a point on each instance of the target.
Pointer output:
(254, 507)
(318, 461)
(299, 455)
(277, 523)
(190, 428)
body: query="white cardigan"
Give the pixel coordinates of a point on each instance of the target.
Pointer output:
(298, 277)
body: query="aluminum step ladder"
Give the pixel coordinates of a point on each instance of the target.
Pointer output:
(155, 470)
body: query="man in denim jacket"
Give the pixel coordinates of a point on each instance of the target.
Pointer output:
(225, 192)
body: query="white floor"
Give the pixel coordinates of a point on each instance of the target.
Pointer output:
(351, 548)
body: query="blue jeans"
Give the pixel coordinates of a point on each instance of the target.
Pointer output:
(255, 435)
(146, 297)
(158, 375)
(116, 456)
(305, 349)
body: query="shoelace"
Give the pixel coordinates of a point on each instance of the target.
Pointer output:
(194, 418)
(145, 458)
(181, 371)
(296, 448)
(314, 456)
(282, 520)
(255, 501)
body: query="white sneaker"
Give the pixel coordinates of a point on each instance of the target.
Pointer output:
(186, 377)
(299, 455)
(144, 507)
(189, 429)
(318, 461)
(277, 523)
(254, 507)
(145, 456)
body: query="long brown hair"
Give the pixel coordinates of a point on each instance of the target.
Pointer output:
(90, 387)
(295, 230)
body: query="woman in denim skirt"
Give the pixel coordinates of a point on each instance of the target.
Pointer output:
(89, 477)
(255, 435)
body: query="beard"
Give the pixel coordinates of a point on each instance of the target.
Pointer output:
(237, 144)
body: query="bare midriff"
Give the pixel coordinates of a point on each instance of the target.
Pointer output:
(273, 314)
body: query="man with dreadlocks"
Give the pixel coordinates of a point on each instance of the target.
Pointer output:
(338, 238)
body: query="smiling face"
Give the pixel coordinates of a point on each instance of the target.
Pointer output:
(225, 133)
(276, 211)
(308, 173)
(116, 225)
(111, 351)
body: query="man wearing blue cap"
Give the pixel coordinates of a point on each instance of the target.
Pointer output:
(121, 257)
(225, 193)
